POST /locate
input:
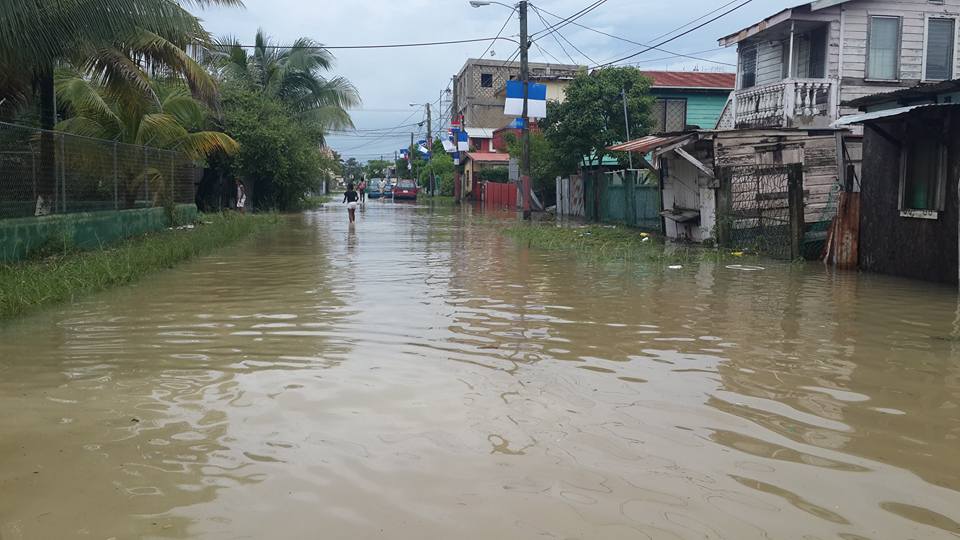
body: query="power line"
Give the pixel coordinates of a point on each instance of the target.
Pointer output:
(558, 33)
(378, 46)
(678, 36)
(687, 55)
(505, 23)
(698, 19)
(571, 18)
(383, 137)
(554, 34)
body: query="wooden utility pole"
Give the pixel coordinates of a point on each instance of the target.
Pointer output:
(430, 143)
(525, 131)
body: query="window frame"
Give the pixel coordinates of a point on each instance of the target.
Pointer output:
(755, 50)
(486, 75)
(940, 184)
(867, 76)
(926, 42)
(663, 117)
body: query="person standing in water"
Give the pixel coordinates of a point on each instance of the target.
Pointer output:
(351, 197)
(241, 197)
(363, 190)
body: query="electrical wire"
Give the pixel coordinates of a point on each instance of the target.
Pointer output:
(505, 23)
(378, 46)
(367, 144)
(571, 18)
(698, 19)
(675, 54)
(678, 36)
(556, 33)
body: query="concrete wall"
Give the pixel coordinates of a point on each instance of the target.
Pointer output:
(86, 230)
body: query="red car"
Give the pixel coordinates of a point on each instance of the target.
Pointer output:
(405, 189)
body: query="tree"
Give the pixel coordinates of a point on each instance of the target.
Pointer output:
(292, 75)
(545, 163)
(375, 168)
(279, 158)
(169, 117)
(352, 170)
(109, 41)
(591, 117)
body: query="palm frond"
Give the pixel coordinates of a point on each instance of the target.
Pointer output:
(83, 98)
(159, 129)
(157, 50)
(202, 144)
(85, 127)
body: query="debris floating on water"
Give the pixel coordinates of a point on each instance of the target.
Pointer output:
(675, 267)
(745, 267)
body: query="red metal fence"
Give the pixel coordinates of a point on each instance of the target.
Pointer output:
(499, 195)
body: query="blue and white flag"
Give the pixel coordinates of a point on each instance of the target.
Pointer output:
(463, 141)
(456, 158)
(517, 123)
(536, 99)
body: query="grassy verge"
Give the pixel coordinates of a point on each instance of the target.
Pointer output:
(60, 278)
(610, 242)
(313, 202)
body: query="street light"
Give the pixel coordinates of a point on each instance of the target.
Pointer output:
(525, 79)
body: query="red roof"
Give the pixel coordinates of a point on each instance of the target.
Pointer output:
(692, 79)
(488, 156)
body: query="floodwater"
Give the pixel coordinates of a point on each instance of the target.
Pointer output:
(424, 377)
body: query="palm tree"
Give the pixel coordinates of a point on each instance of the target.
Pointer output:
(109, 39)
(292, 75)
(168, 117)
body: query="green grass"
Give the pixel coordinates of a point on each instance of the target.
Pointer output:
(611, 242)
(59, 278)
(312, 202)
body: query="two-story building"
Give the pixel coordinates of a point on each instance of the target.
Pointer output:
(688, 99)
(796, 68)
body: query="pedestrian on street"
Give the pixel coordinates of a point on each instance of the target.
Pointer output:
(362, 188)
(241, 197)
(350, 197)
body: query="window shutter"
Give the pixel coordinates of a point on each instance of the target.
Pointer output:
(939, 49)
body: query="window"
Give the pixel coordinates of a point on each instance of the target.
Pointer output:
(883, 50)
(669, 115)
(748, 68)
(939, 49)
(923, 171)
(486, 80)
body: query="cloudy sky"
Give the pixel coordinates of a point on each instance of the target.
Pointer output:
(390, 79)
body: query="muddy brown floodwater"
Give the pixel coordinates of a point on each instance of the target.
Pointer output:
(424, 377)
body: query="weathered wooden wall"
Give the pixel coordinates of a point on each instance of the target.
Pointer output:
(816, 150)
(910, 247)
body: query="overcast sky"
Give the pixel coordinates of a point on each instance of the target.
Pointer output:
(390, 79)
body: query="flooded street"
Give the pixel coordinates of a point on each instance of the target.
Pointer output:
(425, 377)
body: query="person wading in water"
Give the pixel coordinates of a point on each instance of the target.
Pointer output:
(351, 197)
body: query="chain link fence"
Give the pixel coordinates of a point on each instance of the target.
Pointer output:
(763, 209)
(48, 172)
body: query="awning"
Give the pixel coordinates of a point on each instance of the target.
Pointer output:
(480, 133)
(647, 144)
(886, 113)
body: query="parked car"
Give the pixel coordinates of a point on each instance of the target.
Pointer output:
(388, 191)
(406, 189)
(373, 188)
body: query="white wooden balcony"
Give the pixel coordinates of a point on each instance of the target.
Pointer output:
(805, 103)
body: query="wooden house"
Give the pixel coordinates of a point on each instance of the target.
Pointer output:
(745, 187)
(688, 99)
(799, 66)
(909, 211)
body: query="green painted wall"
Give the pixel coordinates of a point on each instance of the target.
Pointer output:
(86, 230)
(703, 109)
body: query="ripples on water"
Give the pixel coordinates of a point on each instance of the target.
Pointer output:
(424, 377)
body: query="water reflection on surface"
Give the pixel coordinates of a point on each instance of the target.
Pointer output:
(421, 376)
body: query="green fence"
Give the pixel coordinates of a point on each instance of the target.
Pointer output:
(629, 197)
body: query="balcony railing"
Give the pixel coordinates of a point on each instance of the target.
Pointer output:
(787, 103)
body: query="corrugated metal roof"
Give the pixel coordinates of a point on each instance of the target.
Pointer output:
(692, 79)
(887, 113)
(646, 144)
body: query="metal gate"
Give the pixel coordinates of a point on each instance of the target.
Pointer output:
(760, 208)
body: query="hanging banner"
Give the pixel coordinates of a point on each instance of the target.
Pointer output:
(456, 158)
(536, 100)
(463, 141)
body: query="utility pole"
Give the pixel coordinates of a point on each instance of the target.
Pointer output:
(525, 131)
(429, 141)
(626, 122)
